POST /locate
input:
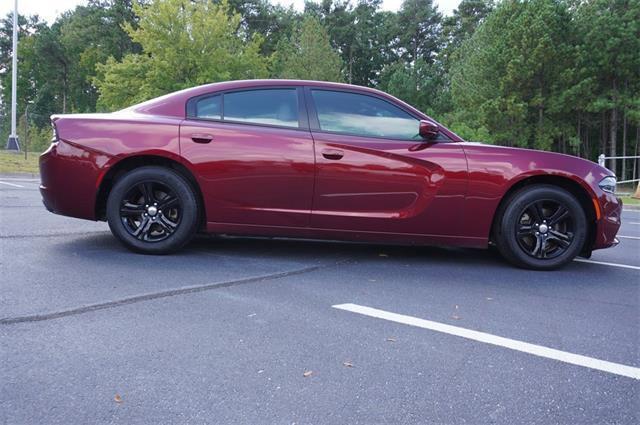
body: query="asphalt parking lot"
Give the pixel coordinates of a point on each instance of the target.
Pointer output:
(277, 331)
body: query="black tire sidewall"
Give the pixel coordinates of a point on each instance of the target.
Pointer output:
(182, 189)
(507, 241)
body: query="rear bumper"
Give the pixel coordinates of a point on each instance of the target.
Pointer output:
(609, 223)
(69, 180)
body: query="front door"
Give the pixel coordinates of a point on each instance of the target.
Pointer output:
(375, 173)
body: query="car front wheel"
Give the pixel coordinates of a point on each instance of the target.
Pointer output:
(152, 210)
(541, 227)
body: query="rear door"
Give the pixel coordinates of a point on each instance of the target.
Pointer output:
(253, 155)
(376, 174)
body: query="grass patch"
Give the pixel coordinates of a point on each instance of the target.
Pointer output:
(11, 162)
(626, 191)
(628, 200)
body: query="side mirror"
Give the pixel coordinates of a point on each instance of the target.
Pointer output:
(428, 130)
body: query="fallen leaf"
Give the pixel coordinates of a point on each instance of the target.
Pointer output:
(117, 398)
(489, 298)
(348, 364)
(251, 315)
(261, 370)
(307, 373)
(391, 339)
(455, 315)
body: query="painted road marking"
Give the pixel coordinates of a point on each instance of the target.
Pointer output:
(11, 184)
(604, 263)
(629, 237)
(525, 347)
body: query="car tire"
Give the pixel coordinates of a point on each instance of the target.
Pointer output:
(153, 210)
(541, 227)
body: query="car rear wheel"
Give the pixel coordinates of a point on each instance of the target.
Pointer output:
(541, 227)
(152, 210)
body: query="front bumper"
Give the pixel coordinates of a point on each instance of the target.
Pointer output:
(609, 223)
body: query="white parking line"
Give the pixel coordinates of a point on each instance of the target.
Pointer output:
(525, 347)
(11, 184)
(629, 237)
(633, 222)
(604, 263)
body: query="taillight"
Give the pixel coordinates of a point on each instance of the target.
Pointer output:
(55, 132)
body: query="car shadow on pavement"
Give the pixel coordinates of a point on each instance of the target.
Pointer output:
(303, 250)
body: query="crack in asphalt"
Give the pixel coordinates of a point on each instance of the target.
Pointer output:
(20, 206)
(163, 294)
(54, 235)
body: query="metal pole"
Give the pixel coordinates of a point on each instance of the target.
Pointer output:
(26, 131)
(13, 143)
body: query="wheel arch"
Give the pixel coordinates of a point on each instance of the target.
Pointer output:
(583, 196)
(130, 163)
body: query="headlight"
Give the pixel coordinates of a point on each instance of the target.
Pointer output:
(608, 184)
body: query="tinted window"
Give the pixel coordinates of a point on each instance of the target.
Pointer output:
(274, 106)
(209, 107)
(363, 115)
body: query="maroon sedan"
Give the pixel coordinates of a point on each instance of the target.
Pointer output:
(319, 160)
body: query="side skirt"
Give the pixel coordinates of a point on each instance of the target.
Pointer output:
(345, 235)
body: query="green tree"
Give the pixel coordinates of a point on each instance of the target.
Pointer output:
(463, 23)
(417, 76)
(464, 20)
(27, 82)
(607, 83)
(88, 36)
(308, 55)
(362, 34)
(509, 77)
(58, 62)
(371, 44)
(184, 44)
(271, 21)
(420, 84)
(419, 28)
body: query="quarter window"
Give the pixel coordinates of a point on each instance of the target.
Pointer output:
(209, 107)
(272, 106)
(363, 115)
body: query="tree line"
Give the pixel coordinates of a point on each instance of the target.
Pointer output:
(561, 75)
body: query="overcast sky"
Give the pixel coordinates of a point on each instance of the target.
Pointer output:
(49, 9)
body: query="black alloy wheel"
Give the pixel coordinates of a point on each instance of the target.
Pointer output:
(541, 227)
(545, 229)
(153, 210)
(150, 211)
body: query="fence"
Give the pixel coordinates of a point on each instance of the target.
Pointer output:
(634, 174)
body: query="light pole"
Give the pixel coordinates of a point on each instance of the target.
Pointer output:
(26, 128)
(13, 143)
